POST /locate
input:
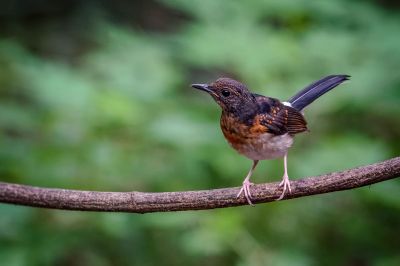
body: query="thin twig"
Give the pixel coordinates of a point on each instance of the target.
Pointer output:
(140, 202)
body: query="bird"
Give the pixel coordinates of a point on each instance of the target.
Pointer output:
(261, 127)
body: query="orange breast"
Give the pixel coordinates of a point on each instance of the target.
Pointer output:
(254, 141)
(238, 133)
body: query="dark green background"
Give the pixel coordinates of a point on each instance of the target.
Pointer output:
(95, 95)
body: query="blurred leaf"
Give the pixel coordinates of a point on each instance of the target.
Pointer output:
(96, 96)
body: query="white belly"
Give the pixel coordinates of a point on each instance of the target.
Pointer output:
(267, 146)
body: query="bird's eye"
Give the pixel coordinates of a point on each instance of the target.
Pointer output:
(225, 92)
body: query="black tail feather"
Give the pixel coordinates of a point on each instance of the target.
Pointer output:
(315, 90)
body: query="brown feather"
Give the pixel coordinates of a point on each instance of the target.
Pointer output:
(278, 118)
(295, 121)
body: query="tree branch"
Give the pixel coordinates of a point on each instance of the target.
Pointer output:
(140, 202)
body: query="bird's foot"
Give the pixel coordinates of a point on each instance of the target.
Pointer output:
(246, 190)
(286, 186)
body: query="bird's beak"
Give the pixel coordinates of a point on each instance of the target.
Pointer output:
(203, 87)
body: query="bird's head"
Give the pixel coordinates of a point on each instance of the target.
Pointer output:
(230, 94)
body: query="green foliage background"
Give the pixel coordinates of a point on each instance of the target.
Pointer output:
(96, 96)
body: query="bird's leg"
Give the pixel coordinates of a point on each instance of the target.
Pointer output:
(246, 184)
(285, 180)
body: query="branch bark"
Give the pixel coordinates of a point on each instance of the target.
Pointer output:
(141, 202)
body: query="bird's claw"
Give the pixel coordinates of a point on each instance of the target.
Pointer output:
(246, 190)
(286, 186)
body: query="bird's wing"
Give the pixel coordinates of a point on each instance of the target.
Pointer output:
(278, 118)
